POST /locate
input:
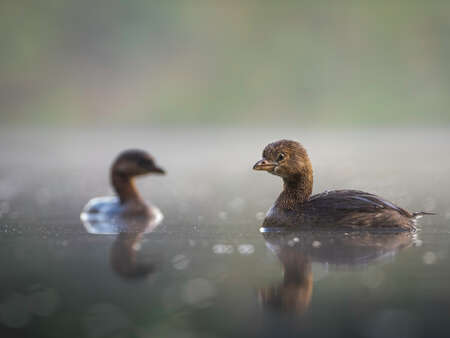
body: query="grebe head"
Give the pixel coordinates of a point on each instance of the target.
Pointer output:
(135, 162)
(284, 158)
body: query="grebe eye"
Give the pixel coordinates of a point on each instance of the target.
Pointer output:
(280, 157)
(143, 162)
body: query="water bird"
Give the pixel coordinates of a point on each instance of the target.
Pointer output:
(347, 209)
(128, 165)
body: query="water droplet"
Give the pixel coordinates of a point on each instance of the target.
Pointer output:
(316, 244)
(137, 246)
(221, 249)
(418, 242)
(180, 262)
(246, 249)
(429, 257)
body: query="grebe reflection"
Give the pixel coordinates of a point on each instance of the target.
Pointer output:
(124, 251)
(297, 250)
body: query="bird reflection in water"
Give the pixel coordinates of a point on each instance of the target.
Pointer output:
(124, 251)
(297, 250)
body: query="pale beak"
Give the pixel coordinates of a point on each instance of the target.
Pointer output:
(264, 165)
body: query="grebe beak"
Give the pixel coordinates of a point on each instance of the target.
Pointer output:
(158, 170)
(264, 165)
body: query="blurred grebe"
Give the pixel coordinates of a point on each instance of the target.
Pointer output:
(128, 203)
(295, 207)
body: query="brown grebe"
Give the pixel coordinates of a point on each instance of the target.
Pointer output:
(295, 207)
(128, 203)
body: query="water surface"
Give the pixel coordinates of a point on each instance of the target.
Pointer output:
(206, 270)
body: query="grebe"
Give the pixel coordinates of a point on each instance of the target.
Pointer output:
(128, 203)
(295, 207)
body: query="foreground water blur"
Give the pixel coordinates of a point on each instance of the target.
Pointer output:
(206, 270)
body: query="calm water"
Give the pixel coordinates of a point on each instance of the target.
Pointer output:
(206, 270)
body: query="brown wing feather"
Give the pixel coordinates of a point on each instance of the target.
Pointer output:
(353, 200)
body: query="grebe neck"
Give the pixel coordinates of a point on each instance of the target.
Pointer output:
(296, 189)
(125, 188)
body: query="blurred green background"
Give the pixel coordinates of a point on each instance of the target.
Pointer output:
(251, 63)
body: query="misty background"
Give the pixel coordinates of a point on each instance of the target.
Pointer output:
(249, 63)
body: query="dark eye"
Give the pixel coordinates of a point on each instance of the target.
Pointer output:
(143, 163)
(280, 157)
